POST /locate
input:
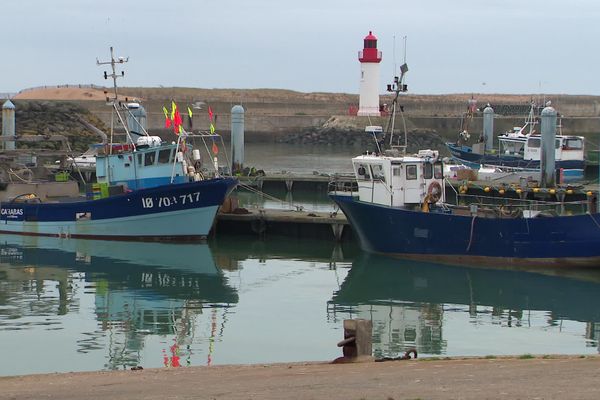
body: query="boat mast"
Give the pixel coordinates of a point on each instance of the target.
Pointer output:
(115, 99)
(113, 76)
(398, 87)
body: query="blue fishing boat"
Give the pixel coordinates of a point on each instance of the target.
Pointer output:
(146, 190)
(400, 208)
(520, 149)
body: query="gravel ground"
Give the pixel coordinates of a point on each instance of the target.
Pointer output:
(497, 378)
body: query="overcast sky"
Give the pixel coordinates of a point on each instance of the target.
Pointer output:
(453, 46)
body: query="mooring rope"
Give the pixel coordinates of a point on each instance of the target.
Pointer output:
(471, 236)
(268, 196)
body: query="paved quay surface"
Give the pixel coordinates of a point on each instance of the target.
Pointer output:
(499, 378)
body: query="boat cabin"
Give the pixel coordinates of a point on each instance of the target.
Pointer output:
(529, 147)
(400, 181)
(152, 163)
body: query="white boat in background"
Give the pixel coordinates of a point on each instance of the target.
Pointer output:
(520, 149)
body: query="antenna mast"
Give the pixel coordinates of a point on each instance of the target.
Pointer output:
(397, 87)
(115, 100)
(113, 75)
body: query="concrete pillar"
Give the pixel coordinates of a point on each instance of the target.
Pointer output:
(547, 156)
(8, 124)
(488, 127)
(237, 139)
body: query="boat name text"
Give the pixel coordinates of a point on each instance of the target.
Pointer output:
(161, 202)
(11, 211)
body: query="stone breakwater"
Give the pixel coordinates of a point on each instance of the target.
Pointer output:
(345, 132)
(55, 118)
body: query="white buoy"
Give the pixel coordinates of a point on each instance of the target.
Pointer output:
(196, 155)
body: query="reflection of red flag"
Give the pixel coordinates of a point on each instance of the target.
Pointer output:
(215, 149)
(210, 113)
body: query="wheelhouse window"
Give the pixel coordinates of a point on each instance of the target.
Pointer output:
(150, 158)
(427, 170)
(411, 172)
(140, 159)
(396, 171)
(378, 173)
(573, 144)
(363, 172)
(534, 143)
(438, 170)
(164, 156)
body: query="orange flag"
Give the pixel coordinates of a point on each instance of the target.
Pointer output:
(215, 149)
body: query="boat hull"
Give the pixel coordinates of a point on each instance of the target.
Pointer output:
(459, 239)
(171, 212)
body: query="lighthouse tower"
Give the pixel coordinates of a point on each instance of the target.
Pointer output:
(369, 59)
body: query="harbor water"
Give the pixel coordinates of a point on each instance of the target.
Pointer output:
(77, 305)
(80, 305)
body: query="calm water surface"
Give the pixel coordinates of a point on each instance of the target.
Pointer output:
(75, 305)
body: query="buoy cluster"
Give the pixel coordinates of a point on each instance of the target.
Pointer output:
(504, 189)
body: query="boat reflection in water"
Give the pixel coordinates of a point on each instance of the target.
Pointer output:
(139, 289)
(422, 305)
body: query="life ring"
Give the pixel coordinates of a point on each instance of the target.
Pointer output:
(434, 192)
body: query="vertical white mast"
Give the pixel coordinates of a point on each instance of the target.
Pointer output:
(114, 101)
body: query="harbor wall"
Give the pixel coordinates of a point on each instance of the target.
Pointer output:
(275, 115)
(274, 124)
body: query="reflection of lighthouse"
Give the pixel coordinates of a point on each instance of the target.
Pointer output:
(369, 59)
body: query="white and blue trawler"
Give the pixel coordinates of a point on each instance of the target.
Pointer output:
(145, 190)
(399, 208)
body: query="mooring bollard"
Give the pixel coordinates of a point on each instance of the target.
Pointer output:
(357, 345)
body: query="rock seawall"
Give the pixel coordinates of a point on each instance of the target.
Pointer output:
(345, 131)
(55, 118)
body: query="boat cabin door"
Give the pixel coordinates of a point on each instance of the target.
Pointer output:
(406, 184)
(397, 185)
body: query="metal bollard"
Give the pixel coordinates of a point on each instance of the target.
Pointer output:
(357, 344)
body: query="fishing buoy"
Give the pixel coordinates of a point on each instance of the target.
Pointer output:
(552, 191)
(519, 191)
(486, 189)
(589, 193)
(569, 191)
(536, 190)
(501, 191)
(196, 155)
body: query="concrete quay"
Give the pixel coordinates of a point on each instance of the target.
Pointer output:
(307, 181)
(263, 222)
(548, 378)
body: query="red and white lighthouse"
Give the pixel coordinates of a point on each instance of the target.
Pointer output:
(369, 59)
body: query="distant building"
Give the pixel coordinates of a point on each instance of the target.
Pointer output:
(369, 59)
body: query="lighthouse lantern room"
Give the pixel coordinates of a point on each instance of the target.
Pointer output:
(369, 59)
